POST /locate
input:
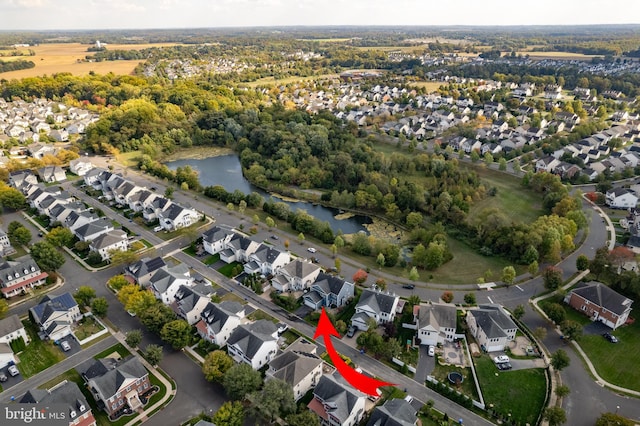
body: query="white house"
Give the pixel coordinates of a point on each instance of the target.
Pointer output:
(435, 323)
(55, 315)
(218, 320)
(191, 301)
(11, 329)
(106, 243)
(166, 281)
(298, 275)
(177, 217)
(337, 403)
(329, 291)
(255, 344)
(491, 326)
(266, 260)
(621, 198)
(214, 240)
(380, 306)
(238, 249)
(299, 366)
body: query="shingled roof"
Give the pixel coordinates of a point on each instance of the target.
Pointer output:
(603, 296)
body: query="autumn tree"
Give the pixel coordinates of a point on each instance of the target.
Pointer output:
(231, 413)
(215, 365)
(620, 255)
(447, 297)
(360, 276)
(117, 282)
(60, 236)
(99, 307)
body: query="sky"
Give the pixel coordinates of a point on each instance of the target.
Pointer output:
(139, 14)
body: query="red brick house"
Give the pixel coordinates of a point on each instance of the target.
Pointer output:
(600, 303)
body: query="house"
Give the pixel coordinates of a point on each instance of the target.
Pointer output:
(117, 385)
(215, 239)
(165, 282)
(92, 230)
(20, 177)
(177, 217)
(105, 244)
(266, 260)
(238, 249)
(621, 198)
(74, 219)
(380, 306)
(19, 276)
(39, 150)
(491, 326)
(189, 302)
(54, 316)
(255, 344)
(59, 135)
(336, 402)
(5, 245)
(12, 329)
(296, 276)
(394, 412)
(140, 200)
(65, 394)
(299, 366)
(142, 270)
(600, 303)
(435, 323)
(329, 291)
(553, 91)
(547, 164)
(218, 320)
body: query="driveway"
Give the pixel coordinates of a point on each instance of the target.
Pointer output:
(426, 364)
(524, 364)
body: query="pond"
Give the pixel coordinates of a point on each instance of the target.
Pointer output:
(226, 171)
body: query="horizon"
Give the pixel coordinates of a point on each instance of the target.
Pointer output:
(114, 15)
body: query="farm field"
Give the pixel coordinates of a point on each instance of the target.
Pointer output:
(431, 86)
(267, 81)
(558, 55)
(63, 57)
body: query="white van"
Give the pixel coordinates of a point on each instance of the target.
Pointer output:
(158, 229)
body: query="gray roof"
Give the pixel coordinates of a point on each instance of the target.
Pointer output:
(394, 412)
(173, 211)
(299, 268)
(52, 304)
(328, 284)
(250, 337)
(109, 239)
(67, 393)
(337, 395)
(215, 234)
(293, 366)
(217, 314)
(163, 278)
(603, 296)
(492, 320)
(9, 325)
(145, 266)
(17, 267)
(437, 315)
(94, 227)
(107, 384)
(378, 301)
(266, 253)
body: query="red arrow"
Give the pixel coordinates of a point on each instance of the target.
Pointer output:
(359, 381)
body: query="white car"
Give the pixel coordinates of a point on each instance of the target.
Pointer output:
(311, 250)
(13, 370)
(432, 350)
(500, 359)
(65, 346)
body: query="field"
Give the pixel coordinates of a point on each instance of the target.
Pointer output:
(64, 57)
(431, 86)
(268, 81)
(558, 55)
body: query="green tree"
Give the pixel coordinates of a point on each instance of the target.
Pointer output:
(275, 400)
(11, 197)
(60, 236)
(301, 238)
(215, 365)
(380, 260)
(508, 275)
(4, 308)
(582, 262)
(502, 164)
(231, 413)
(99, 307)
(303, 418)
(555, 416)
(612, 419)
(177, 333)
(413, 220)
(153, 354)
(242, 206)
(122, 257)
(413, 274)
(269, 222)
(533, 268)
(84, 295)
(540, 333)
(560, 360)
(117, 282)
(552, 278)
(434, 255)
(155, 316)
(572, 330)
(518, 312)
(556, 312)
(139, 301)
(133, 338)
(168, 193)
(562, 391)
(470, 298)
(241, 380)
(47, 257)
(334, 250)
(338, 241)
(18, 235)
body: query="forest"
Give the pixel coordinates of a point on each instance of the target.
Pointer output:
(19, 64)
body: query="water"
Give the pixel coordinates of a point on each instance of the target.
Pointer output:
(226, 171)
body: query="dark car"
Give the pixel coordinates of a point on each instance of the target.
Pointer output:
(274, 237)
(409, 286)
(610, 337)
(504, 366)
(351, 331)
(153, 188)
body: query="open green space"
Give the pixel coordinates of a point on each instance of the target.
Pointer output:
(520, 393)
(88, 327)
(616, 362)
(119, 348)
(227, 270)
(571, 314)
(129, 159)
(261, 315)
(38, 355)
(210, 260)
(467, 386)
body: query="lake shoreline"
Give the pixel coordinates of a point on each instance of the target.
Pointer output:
(197, 153)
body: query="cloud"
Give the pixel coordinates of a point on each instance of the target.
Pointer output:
(118, 5)
(24, 4)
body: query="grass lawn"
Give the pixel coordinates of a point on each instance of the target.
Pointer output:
(210, 260)
(146, 243)
(513, 199)
(137, 245)
(119, 348)
(129, 159)
(232, 297)
(520, 392)
(87, 328)
(260, 315)
(615, 362)
(467, 386)
(227, 270)
(38, 355)
(571, 314)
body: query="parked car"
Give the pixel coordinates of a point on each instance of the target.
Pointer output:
(158, 229)
(610, 337)
(65, 346)
(274, 237)
(351, 331)
(432, 350)
(504, 366)
(409, 286)
(13, 370)
(315, 260)
(311, 250)
(500, 359)
(3, 377)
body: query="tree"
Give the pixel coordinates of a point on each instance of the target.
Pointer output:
(273, 401)
(84, 295)
(380, 260)
(18, 234)
(303, 418)
(562, 391)
(301, 238)
(560, 359)
(4, 308)
(242, 206)
(241, 380)
(582, 262)
(231, 413)
(117, 282)
(447, 297)
(338, 264)
(177, 333)
(269, 222)
(122, 257)
(286, 244)
(413, 220)
(470, 298)
(555, 416)
(334, 250)
(60, 236)
(139, 301)
(153, 354)
(215, 365)
(508, 275)
(47, 257)
(99, 307)
(156, 316)
(555, 312)
(338, 241)
(572, 330)
(518, 312)
(414, 300)
(413, 274)
(612, 419)
(133, 338)
(94, 258)
(381, 283)
(552, 278)
(11, 197)
(502, 164)
(533, 268)
(540, 333)
(360, 276)
(168, 193)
